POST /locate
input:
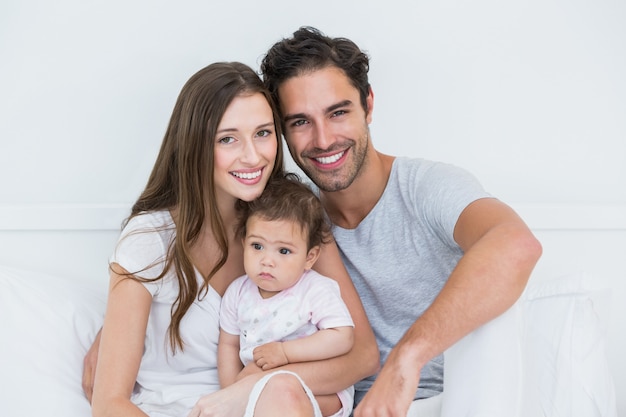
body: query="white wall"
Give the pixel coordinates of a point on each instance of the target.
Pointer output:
(530, 96)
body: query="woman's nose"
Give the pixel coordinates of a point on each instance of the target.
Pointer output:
(250, 153)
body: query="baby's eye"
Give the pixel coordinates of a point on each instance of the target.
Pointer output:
(257, 246)
(227, 140)
(284, 251)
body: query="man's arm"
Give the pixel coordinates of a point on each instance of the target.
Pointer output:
(323, 344)
(500, 253)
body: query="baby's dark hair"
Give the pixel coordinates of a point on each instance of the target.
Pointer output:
(287, 198)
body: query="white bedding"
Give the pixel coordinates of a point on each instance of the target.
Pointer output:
(46, 325)
(544, 357)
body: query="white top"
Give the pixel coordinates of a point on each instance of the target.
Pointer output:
(312, 303)
(169, 384)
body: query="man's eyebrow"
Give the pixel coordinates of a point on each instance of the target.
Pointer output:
(329, 109)
(344, 103)
(289, 117)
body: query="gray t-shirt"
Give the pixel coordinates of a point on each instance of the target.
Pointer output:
(402, 253)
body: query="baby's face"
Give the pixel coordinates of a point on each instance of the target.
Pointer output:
(275, 254)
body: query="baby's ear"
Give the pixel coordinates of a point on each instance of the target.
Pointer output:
(311, 257)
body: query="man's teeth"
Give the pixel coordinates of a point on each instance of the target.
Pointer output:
(330, 159)
(247, 175)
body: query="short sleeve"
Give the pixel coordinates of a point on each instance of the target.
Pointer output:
(325, 303)
(142, 248)
(441, 194)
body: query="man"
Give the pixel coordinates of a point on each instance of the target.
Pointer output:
(432, 255)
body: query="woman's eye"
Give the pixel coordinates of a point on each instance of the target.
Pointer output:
(284, 251)
(263, 133)
(226, 140)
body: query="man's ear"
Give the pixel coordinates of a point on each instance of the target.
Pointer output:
(369, 100)
(311, 257)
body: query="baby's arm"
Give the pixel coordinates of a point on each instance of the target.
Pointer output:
(323, 344)
(228, 363)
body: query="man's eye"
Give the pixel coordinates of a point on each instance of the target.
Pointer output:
(284, 251)
(299, 122)
(339, 113)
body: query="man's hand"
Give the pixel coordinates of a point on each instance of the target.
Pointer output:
(393, 391)
(270, 355)
(89, 367)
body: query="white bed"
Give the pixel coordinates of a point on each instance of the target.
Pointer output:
(544, 357)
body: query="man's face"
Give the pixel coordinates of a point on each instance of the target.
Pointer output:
(326, 127)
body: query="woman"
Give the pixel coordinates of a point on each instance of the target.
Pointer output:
(178, 253)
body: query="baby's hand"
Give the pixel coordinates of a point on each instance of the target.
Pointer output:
(270, 355)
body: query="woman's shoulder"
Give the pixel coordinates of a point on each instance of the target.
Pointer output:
(161, 219)
(144, 243)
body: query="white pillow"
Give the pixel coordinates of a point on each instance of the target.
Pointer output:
(566, 371)
(543, 357)
(47, 324)
(483, 371)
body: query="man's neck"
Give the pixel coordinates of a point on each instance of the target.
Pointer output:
(348, 207)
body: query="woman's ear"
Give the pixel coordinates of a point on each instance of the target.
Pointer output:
(311, 257)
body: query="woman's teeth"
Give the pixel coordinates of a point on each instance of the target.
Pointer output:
(247, 175)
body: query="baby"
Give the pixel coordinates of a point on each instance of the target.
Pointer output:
(281, 311)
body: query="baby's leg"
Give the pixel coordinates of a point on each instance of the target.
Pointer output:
(281, 393)
(329, 404)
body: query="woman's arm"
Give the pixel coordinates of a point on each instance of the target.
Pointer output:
(323, 344)
(121, 346)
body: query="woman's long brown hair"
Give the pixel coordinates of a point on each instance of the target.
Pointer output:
(182, 176)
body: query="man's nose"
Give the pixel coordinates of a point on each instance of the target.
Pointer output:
(323, 138)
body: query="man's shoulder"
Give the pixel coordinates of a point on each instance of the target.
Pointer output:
(417, 169)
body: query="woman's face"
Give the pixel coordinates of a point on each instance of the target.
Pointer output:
(245, 148)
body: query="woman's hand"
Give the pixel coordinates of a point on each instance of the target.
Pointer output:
(227, 402)
(89, 367)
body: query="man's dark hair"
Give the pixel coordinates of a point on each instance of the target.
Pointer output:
(309, 50)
